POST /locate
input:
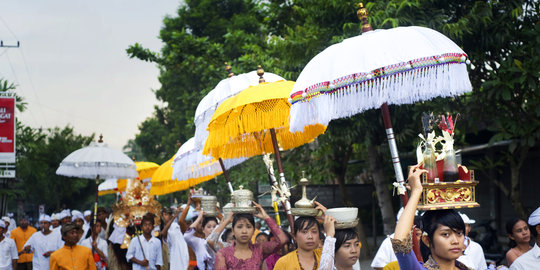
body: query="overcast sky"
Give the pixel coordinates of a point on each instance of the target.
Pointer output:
(72, 67)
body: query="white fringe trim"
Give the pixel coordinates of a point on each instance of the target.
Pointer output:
(91, 171)
(196, 165)
(404, 88)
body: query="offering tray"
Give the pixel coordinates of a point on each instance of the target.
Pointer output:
(304, 212)
(448, 195)
(243, 210)
(346, 225)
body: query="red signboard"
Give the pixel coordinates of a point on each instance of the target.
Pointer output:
(7, 129)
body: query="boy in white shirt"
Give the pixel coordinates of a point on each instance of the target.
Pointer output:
(42, 244)
(473, 256)
(98, 246)
(145, 250)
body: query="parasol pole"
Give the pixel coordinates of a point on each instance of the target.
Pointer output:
(226, 174)
(273, 184)
(142, 249)
(96, 199)
(97, 186)
(286, 204)
(362, 14)
(393, 149)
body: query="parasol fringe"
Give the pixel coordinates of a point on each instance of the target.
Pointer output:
(84, 170)
(194, 166)
(254, 117)
(170, 186)
(248, 145)
(404, 87)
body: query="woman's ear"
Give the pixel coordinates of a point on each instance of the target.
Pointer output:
(425, 240)
(511, 237)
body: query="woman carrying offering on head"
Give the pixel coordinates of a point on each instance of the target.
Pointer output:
(520, 237)
(341, 247)
(443, 238)
(308, 254)
(243, 254)
(205, 256)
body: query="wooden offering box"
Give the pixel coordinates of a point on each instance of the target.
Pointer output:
(448, 195)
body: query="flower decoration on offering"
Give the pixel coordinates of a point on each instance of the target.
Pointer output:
(242, 201)
(446, 184)
(346, 217)
(134, 205)
(426, 155)
(304, 206)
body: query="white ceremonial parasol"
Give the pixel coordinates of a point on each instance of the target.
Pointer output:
(402, 65)
(97, 161)
(224, 89)
(190, 163)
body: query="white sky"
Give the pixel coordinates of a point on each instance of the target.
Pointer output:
(72, 67)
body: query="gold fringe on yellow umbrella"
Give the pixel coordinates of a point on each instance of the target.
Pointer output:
(239, 127)
(162, 182)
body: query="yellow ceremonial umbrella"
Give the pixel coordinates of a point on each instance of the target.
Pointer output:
(256, 121)
(242, 125)
(163, 183)
(146, 169)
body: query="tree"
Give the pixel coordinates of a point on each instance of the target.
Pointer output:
(6, 86)
(285, 35)
(198, 41)
(132, 149)
(39, 154)
(510, 70)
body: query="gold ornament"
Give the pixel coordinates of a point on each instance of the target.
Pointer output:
(134, 205)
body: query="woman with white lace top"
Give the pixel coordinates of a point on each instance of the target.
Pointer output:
(213, 239)
(205, 256)
(341, 248)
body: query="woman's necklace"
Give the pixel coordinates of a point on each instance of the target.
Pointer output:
(315, 265)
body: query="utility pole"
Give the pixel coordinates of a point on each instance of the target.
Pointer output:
(9, 46)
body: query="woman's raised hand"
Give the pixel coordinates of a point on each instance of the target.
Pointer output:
(229, 218)
(329, 225)
(320, 207)
(414, 178)
(260, 211)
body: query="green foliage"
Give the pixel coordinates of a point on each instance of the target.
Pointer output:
(511, 86)
(133, 150)
(6, 86)
(500, 37)
(39, 154)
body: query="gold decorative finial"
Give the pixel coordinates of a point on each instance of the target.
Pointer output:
(363, 15)
(260, 73)
(228, 68)
(100, 138)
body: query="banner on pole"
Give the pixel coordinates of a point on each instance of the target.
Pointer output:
(7, 129)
